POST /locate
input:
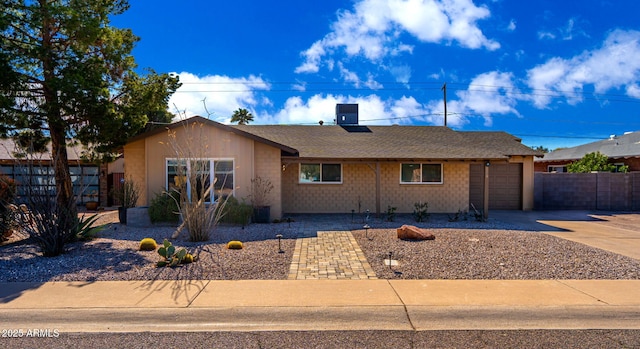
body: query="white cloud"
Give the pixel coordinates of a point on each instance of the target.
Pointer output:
(351, 77)
(372, 110)
(488, 94)
(373, 28)
(221, 95)
(542, 35)
(512, 25)
(402, 73)
(612, 66)
(567, 32)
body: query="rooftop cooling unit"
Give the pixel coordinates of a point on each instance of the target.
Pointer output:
(347, 114)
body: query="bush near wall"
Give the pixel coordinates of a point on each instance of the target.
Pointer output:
(235, 212)
(164, 208)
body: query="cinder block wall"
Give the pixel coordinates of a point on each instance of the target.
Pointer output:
(358, 186)
(587, 191)
(358, 191)
(450, 196)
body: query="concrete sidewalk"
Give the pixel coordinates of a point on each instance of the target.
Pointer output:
(259, 305)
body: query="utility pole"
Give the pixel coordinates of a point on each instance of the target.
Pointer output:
(444, 89)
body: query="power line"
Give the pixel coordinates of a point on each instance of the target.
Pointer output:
(407, 86)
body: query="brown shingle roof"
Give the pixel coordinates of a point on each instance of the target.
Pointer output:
(390, 142)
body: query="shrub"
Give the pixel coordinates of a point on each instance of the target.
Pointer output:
(234, 245)
(164, 208)
(8, 219)
(391, 213)
(421, 211)
(235, 212)
(148, 244)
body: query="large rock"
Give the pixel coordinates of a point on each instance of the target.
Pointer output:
(410, 232)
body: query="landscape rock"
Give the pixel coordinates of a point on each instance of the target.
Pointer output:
(410, 232)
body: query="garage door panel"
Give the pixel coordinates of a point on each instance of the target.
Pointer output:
(505, 186)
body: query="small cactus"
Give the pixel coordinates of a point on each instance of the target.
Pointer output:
(170, 256)
(188, 258)
(234, 245)
(148, 244)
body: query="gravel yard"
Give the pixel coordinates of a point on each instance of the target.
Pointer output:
(491, 254)
(461, 250)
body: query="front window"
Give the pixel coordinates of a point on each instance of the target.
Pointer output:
(199, 175)
(421, 173)
(320, 173)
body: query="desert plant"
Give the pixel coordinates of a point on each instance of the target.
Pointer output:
(127, 193)
(170, 256)
(188, 258)
(391, 213)
(236, 212)
(47, 223)
(8, 191)
(234, 245)
(195, 189)
(164, 208)
(479, 216)
(421, 211)
(260, 190)
(456, 216)
(85, 229)
(148, 244)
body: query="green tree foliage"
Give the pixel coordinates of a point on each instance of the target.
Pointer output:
(595, 161)
(541, 148)
(67, 75)
(242, 116)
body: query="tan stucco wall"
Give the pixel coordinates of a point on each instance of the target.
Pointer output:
(527, 180)
(359, 185)
(135, 167)
(209, 142)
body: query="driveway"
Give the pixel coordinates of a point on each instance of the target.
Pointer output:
(612, 231)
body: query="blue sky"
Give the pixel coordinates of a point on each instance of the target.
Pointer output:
(554, 73)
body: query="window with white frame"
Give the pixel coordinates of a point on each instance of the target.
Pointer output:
(198, 175)
(557, 168)
(320, 173)
(414, 173)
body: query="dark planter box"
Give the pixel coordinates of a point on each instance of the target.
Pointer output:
(122, 215)
(261, 214)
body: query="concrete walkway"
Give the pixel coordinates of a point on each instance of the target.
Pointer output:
(200, 305)
(612, 231)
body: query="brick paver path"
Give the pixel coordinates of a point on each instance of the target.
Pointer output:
(330, 255)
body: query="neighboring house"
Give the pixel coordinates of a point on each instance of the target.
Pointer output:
(344, 168)
(87, 178)
(621, 150)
